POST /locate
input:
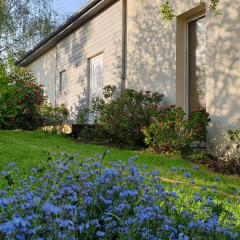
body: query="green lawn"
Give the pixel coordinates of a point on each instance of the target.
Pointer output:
(27, 149)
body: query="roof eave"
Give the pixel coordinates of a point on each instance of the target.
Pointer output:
(74, 22)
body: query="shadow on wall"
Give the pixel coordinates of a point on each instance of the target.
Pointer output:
(44, 71)
(152, 52)
(72, 56)
(223, 75)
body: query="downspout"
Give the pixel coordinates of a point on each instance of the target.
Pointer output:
(124, 44)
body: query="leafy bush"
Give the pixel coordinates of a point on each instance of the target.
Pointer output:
(20, 97)
(53, 116)
(229, 162)
(65, 199)
(197, 124)
(23, 103)
(171, 132)
(124, 114)
(8, 98)
(199, 156)
(167, 132)
(92, 134)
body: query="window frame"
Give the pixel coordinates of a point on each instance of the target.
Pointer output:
(62, 81)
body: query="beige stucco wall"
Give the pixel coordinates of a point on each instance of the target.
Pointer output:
(152, 55)
(151, 42)
(44, 69)
(102, 34)
(223, 72)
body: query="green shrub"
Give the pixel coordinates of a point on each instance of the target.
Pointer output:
(20, 98)
(23, 103)
(167, 132)
(8, 98)
(198, 156)
(229, 162)
(170, 131)
(124, 114)
(197, 124)
(53, 116)
(93, 134)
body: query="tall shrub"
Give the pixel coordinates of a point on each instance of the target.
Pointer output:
(8, 98)
(171, 131)
(124, 114)
(20, 98)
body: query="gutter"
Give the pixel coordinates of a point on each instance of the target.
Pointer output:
(73, 23)
(124, 44)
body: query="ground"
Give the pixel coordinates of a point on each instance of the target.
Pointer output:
(27, 149)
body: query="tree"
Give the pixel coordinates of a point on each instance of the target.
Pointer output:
(23, 23)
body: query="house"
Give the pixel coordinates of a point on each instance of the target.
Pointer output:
(193, 60)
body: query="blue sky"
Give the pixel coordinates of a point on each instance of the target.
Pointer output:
(68, 6)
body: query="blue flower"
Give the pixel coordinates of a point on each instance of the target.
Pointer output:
(4, 202)
(100, 234)
(4, 173)
(173, 169)
(129, 193)
(196, 168)
(49, 208)
(81, 227)
(182, 236)
(187, 175)
(7, 227)
(88, 200)
(20, 237)
(156, 173)
(217, 179)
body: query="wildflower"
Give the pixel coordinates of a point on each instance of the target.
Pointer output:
(20, 237)
(182, 236)
(11, 165)
(187, 175)
(100, 234)
(4, 173)
(196, 168)
(4, 202)
(156, 173)
(69, 225)
(81, 227)
(49, 208)
(88, 200)
(129, 193)
(173, 169)
(217, 179)
(7, 228)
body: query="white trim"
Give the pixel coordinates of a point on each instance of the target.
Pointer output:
(96, 58)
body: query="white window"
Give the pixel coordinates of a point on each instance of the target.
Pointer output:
(62, 81)
(96, 76)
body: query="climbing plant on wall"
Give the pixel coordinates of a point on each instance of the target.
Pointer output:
(168, 12)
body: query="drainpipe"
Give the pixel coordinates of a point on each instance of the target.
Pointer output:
(124, 44)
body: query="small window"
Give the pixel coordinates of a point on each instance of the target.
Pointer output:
(62, 81)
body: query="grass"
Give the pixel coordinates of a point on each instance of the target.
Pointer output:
(27, 149)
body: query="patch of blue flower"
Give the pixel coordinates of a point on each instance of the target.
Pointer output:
(68, 199)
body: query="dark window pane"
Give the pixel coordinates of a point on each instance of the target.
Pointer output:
(197, 64)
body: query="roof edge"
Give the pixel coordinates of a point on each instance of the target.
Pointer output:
(72, 23)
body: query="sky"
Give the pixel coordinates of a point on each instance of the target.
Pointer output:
(68, 6)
